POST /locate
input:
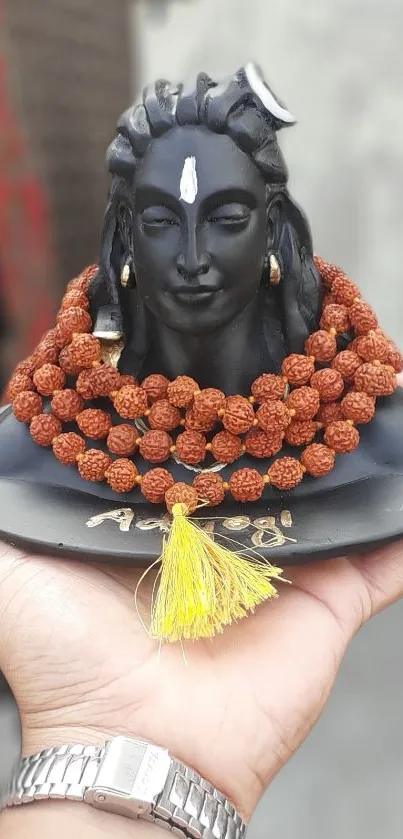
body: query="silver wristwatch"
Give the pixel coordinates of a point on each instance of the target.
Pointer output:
(131, 778)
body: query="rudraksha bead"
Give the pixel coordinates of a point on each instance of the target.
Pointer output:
(19, 383)
(262, 445)
(286, 473)
(269, 387)
(274, 417)
(347, 364)
(181, 391)
(66, 363)
(131, 402)
(122, 440)
(207, 403)
(74, 299)
(122, 475)
(75, 285)
(127, 380)
(155, 446)
(363, 317)
(344, 291)
(246, 485)
(328, 383)
(239, 415)
(27, 405)
(342, 437)
(48, 379)
(318, 460)
(66, 404)
(84, 350)
(336, 317)
(226, 447)
(82, 282)
(376, 380)
(27, 366)
(156, 387)
(93, 465)
(194, 423)
(327, 271)
(373, 347)
(164, 416)
(155, 484)
(105, 380)
(94, 423)
(74, 320)
(45, 353)
(359, 407)
(301, 432)
(44, 428)
(298, 369)
(191, 447)
(180, 493)
(67, 447)
(50, 336)
(353, 345)
(305, 401)
(61, 339)
(87, 275)
(395, 357)
(84, 384)
(322, 345)
(329, 412)
(210, 489)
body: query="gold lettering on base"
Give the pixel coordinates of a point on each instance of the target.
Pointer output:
(123, 518)
(286, 518)
(266, 532)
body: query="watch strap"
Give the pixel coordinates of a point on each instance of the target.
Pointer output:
(188, 805)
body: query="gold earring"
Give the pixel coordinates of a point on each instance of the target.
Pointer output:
(125, 275)
(275, 272)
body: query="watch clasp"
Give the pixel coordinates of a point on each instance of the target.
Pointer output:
(131, 775)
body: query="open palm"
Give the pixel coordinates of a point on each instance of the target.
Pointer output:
(235, 708)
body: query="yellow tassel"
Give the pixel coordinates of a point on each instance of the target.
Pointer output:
(204, 587)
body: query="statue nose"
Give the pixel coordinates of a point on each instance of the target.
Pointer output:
(191, 263)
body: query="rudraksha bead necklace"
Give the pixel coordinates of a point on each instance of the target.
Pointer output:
(293, 407)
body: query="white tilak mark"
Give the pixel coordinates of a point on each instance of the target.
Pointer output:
(265, 95)
(189, 185)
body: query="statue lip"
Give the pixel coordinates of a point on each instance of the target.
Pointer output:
(188, 290)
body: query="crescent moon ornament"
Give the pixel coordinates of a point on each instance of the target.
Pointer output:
(267, 98)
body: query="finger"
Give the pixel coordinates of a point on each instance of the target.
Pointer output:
(382, 575)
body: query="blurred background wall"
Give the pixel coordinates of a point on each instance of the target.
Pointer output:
(67, 72)
(338, 64)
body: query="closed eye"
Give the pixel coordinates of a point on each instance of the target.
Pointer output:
(158, 217)
(230, 215)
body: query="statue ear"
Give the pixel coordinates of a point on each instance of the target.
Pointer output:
(275, 225)
(300, 290)
(105, 301)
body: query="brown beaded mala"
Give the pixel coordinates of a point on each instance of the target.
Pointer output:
(323, 392)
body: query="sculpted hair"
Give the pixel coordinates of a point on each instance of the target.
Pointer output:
(244, 108)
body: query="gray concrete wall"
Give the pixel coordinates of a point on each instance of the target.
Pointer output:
(338, 65)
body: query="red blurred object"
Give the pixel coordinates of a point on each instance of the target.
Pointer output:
(25, 241)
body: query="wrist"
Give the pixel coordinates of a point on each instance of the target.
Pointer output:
(129, 777)
(240, 789)
(65, 819)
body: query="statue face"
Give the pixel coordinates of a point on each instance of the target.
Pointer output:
(200, 230)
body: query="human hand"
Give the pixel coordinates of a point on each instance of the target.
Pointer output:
(82, 667)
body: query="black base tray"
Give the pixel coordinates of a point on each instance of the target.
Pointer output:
(60, 522)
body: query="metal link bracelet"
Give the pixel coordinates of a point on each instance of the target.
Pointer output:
(132, 778)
